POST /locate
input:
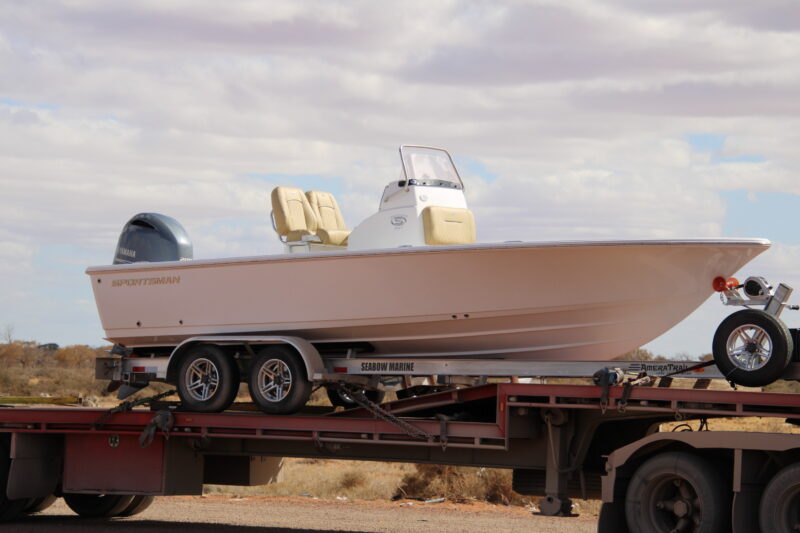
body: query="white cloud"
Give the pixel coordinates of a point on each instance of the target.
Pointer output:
(15, 257)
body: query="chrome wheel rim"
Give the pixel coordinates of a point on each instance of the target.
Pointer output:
(274, 380)
(749, 347)
(202, 379)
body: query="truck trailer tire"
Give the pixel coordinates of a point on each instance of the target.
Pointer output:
(277, 380)
(37, 505)
(612, 518)
(9, 509)
(780, 504)
(207, 379)
(139, 504)
(98, 505)
(677, 491)
(752, 348)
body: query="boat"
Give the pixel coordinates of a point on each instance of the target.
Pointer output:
(410, 281)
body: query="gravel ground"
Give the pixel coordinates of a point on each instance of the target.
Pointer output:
(303, 515)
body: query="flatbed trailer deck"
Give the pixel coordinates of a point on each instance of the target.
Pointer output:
(562, 442)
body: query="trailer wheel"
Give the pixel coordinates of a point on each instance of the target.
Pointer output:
(9, 509)
(752, 348)
(98, 505)
(37, 505)
(339, 398)
(612, 518)
(277, 381)
(780, 504)
(138, 505)
(207, 380)
(677, 491)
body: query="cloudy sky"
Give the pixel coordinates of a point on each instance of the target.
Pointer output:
(569, 120)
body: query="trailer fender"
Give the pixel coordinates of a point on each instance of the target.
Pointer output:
(310, 356)
(619, 462)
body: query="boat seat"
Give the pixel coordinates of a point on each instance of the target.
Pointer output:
(448, 225)
(331, 228)
(292, 214)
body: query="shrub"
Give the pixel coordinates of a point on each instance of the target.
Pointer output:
(460, 483)
(352, 479)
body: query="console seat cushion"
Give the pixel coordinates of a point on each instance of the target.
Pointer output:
(448, 225)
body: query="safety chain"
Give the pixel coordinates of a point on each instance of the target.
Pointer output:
(359, 398)
(128, 405)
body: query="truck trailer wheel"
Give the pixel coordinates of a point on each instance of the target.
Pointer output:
(9, 509)
(752, 348)
(207, 379)
(139, 504)
(677, 492)
(98, 505)
(780, 503)
(277, 381)
(37, 505)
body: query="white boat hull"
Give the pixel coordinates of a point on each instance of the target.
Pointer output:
(521, 301)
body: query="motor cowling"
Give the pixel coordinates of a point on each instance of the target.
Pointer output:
(152, 237)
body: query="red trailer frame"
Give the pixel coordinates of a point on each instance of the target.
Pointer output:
(561, 441)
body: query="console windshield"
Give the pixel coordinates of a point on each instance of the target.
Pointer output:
(426, 164)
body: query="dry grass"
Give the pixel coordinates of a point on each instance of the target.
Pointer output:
(749, 424)
(366, 480)
(53, 380)
(328, 478)
(460, 483)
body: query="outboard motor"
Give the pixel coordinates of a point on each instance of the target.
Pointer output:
(152, 237)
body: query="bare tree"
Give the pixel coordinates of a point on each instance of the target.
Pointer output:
(8, 333)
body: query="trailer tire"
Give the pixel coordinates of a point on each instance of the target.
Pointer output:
(9, 509)
(98, 505)
(749, 361)
(139, 504)
(342, 399)
(780, 504)
(37, 505)
(277, 381)
(207, 379)
(673, 489)
(612, 518)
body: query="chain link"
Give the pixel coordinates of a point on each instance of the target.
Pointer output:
(128, 405)
(360, 398)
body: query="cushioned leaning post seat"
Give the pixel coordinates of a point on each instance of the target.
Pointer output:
(331, 228)
(293, 216)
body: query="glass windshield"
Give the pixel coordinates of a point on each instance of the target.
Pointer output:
(427, 164)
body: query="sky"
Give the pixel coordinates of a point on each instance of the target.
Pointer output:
(569, 120)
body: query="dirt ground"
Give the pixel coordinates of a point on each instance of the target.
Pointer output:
(305, 515)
